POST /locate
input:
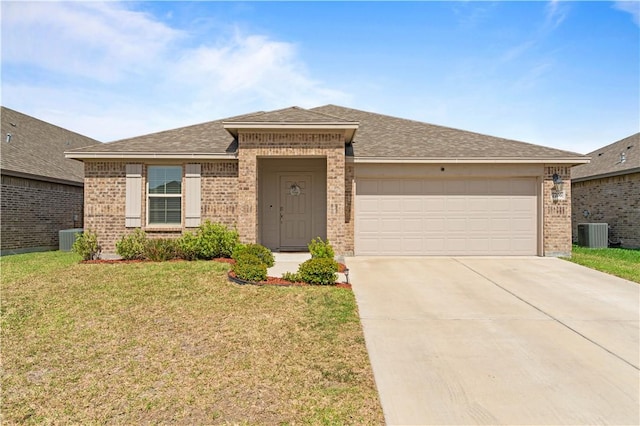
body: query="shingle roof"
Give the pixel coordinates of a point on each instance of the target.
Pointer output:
(377, 136)
(36, 148)
(608, 160)
(385, 136)
(289, 115)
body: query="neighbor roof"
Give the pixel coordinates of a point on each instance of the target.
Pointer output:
(35, 149)
(377, 138)
(621, 157)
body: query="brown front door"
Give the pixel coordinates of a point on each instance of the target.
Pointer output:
(295, 211)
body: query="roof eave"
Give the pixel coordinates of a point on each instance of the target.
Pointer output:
(472, 160)
(149, 155)
(42, 178)
(349, 127)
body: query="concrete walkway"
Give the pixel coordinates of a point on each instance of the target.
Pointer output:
(499, 340)
(289, 262)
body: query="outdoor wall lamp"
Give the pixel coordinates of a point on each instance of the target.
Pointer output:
(558, 184)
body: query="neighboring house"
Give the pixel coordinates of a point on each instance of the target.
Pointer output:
(607, 190)
(370, 183)
(42, 191)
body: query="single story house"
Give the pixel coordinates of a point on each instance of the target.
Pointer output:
(41, 191)
(370, 183)
(607, 190)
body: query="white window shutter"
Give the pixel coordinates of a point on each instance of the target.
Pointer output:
(133, 208)
(192, 195)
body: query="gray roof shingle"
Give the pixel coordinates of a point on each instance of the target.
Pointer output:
(36, 148)
(382, 136)
(607, 161)
(378, 136)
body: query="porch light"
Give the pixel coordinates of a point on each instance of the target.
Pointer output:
(558, 184)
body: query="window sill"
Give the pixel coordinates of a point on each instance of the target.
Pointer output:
(162, 229)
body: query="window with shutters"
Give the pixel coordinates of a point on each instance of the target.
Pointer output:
(164, 195)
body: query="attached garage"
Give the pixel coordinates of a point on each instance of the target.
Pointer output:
(451, 216)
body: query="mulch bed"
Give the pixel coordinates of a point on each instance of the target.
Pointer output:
(232, 276)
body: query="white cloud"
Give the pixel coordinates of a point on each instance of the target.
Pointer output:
(632, 7)
(556, 13)
(124, 73)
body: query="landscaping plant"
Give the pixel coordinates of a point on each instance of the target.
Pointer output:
(257, 250)
(249, 268)
(216, 240)
(321, 249)
(86, 245)
(132, 246)
(187, 246)
(318, 270)
(160, 249)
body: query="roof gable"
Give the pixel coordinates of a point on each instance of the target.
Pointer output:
(620, 157)
(36, 148)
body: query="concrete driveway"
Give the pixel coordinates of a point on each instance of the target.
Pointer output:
(499, 340)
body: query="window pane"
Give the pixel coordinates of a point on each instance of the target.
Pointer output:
(165, 210)
(165, 179)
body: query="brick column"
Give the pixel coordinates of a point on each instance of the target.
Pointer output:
(557, 213)
(247, 192)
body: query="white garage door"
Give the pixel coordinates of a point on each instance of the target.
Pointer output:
(446, 217)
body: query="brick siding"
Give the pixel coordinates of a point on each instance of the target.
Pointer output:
(293, 144)
(34, 211)
(557, 214)
(614, 200)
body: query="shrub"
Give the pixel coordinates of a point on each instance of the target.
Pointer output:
(321, 249)
(132, 246)
(160, 249)
(257, 250)
(86, 245)
(216, 240)
(187, 246)
(319, 270)
(250, 268)
(291, 277)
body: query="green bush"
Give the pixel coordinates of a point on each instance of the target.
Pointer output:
(86, 245)
(132, 246)
(319, 270)
(216, 240)
(291, 277)
(257, 250)
(250, 268)
(160, 249)
(321, 249)
(187, 246)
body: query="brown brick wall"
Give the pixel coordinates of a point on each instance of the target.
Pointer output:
(292, 144)
(614, 200)
(105, 192)
(557, 214)
(34, 211)
(349, 207)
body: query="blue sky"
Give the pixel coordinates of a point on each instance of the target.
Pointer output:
(555, 73)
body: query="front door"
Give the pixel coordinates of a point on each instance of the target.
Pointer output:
(295, 211)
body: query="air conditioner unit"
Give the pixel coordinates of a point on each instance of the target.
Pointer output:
(68, 237)
(593, 235)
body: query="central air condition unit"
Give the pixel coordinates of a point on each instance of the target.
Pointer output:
(68, 237)
(593, 235)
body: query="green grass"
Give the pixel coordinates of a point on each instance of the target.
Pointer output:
(176, 342)
(624, 263)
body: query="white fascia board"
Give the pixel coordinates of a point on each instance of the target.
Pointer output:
(517, 160)
(148, 155)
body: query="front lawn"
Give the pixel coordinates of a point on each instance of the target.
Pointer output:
(176, 342)
(624, 263)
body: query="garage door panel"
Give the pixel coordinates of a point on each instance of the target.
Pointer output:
(446, 217)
